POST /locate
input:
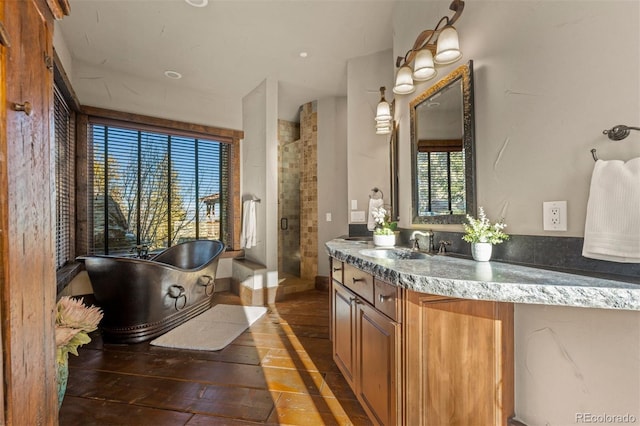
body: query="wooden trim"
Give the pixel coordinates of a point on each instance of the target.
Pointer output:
(61, 79)
(234, 181)
(26, 190)
(4, 220)
(190, 129)
(440, 145)
(84, 221)
(59, 8)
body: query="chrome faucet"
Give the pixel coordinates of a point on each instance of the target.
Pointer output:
(415, 244)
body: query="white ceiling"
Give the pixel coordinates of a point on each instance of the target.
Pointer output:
(228, 48)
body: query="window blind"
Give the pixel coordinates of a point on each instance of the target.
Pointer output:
(64, 175)
(156, 188)
(441, 180)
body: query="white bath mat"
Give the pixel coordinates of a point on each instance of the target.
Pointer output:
(213, 329)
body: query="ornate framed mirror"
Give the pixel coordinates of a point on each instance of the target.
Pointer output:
(442, 149)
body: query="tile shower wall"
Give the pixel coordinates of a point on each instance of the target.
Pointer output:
(309, 191)
(289, 156)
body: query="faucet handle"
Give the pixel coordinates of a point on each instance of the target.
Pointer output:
(443, 246)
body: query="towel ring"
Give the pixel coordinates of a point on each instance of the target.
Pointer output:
(376, 194)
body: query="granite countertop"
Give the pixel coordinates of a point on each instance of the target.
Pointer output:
(467, 279)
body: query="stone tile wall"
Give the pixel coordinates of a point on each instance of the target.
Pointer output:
(309, 192)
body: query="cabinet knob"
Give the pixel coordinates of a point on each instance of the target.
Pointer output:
(25, 107)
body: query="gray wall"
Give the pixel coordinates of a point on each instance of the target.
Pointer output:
(260, 171)
(549, 77)
(332, 174)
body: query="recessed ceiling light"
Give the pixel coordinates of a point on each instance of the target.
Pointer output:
(173, 74)
(303, 54)
(197, 3)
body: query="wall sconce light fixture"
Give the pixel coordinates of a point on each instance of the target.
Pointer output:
(439, 46)
(383, 115)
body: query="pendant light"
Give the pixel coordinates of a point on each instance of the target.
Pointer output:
(383, 111)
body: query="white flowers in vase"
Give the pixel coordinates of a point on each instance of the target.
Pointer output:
(384, 224)
(481, 230)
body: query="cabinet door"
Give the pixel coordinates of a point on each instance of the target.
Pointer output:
(343, 325)
(337, 268)
(459, 361)
(378, 355)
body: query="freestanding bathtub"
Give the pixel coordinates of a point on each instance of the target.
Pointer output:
(144, 298)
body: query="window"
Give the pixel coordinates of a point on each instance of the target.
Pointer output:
(441, 187)
(156, 188)
(64, 196)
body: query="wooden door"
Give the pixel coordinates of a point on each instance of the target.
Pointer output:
(378, 380)
(459, 361)
(27, 276)
(344, 317)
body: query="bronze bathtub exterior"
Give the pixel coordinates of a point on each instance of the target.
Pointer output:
(144, 298)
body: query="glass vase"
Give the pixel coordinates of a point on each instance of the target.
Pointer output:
(62, 375)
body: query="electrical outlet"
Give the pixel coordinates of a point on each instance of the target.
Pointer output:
(554, 215)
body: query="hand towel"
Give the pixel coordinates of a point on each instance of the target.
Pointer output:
(612, 228)
(248, 233)
(374, 203)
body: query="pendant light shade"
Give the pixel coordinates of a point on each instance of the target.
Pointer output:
(423, 66)
(383, 128)
(383, 111)
(404, 81)
(448, 47)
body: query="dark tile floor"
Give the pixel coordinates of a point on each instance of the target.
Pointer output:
(279, 371)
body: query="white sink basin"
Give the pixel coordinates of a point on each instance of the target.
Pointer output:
(395, 253)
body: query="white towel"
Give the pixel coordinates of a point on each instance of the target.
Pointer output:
(374, 203)
(612, 228)
(248, 233)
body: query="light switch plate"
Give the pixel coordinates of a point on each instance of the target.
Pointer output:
(357, 216)
(354, 204)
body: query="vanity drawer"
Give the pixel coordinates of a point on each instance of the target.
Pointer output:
(387, 299)
(359, 282)
(337, 269)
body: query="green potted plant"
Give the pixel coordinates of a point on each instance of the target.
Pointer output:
(384, 234)
(74, 322)
(482, 235)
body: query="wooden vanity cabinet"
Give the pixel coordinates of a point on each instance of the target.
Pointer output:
(418, 359)
(366, 346)
(458, 361)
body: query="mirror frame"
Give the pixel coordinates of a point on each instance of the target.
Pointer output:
(393, 168)
(463, 73)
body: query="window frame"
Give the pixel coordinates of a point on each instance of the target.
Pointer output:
(93, 115)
